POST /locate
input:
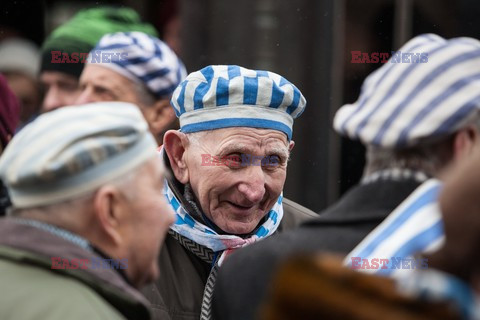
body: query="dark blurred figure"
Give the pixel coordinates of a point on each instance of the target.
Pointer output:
(9, 118)
(319, 287)
(20, 62)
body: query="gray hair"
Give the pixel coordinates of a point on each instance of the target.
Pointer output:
(144, 95)
(428, 156)
(81, 203)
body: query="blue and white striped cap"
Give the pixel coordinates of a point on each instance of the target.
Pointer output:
(141, 58)
(73, 151)
(406, 101)
(231, 96)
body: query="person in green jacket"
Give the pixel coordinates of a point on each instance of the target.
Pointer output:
(87, 219)
(64, 51)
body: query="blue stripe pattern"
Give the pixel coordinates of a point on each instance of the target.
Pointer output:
(401, 103)
(237, 122)
(252, 92)
(416, 244)
(145, 58)
(427, 198)
(414, 227)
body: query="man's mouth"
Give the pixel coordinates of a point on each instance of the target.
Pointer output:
(239, 206)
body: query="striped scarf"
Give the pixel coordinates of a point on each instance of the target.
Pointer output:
(212, 247)
(415, 226)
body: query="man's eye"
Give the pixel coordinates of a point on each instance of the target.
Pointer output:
(100, 90)
(274, 158)
(68, 86)
(104, 93)
(236, 157)
(233, 160)
(272, 161)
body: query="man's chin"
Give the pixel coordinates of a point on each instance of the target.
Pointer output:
(238, 224)
(239, 228)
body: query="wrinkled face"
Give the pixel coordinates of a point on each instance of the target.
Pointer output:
(98, 83)
(150, 218)
(61, 90)
(237, 194)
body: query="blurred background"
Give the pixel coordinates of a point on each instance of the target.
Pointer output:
(307, 41)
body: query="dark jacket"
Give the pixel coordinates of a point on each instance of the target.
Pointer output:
(242, 281)
(33, 290)
(178, 292)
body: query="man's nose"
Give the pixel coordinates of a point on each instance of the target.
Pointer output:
(253, 186)
(52, 100)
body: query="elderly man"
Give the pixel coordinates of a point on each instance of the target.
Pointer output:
(65, 49)
(416, 118)
(134, 67)
(229, 163)
(88, 218)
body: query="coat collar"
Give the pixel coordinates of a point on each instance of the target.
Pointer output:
(366, 202)
(28, 244)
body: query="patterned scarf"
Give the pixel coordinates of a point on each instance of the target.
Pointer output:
(197, 237)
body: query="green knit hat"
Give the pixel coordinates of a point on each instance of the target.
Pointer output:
(82, 32)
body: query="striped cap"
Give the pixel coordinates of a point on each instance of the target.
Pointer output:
(428, 95)
(72, 151)
(141, 58)
(231, 96)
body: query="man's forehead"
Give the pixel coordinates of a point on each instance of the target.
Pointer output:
(246, 137)
(56, 76)
(100, 73)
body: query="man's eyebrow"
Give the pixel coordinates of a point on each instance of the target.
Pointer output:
(282, 151)
(239, 148)
(236, 148)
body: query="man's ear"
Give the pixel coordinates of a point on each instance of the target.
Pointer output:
(465, 142)
(175, 144)
(159, 116)
(291, 145)
(109, 211)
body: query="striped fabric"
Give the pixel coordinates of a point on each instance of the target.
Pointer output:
(224, 96)
(434, 285)
(142, 58)
(74, 150)
(401, 103)
(414, 227)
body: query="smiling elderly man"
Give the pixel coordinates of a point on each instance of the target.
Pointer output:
(243, 119)
(87, 194)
